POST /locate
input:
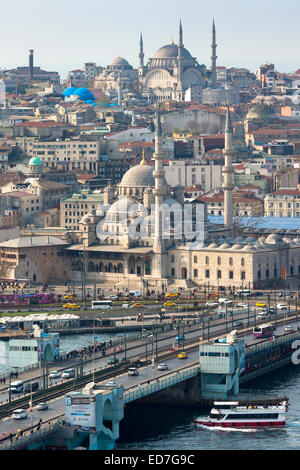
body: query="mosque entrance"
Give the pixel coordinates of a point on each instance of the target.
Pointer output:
(183, 273)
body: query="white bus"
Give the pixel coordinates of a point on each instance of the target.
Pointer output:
(103, 304)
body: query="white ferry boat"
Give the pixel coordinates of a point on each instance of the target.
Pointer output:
(232, 414)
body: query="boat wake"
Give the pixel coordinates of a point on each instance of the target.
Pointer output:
(221, 428)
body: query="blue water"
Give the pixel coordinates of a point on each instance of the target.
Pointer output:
(172, 428)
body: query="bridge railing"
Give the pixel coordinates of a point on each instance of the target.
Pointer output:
(33, 436)
(157, 384)
(266, 345)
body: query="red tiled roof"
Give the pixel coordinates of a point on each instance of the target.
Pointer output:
(41, 124)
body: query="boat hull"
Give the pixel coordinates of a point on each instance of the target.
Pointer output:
(234, 424)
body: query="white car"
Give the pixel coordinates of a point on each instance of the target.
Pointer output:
(225, 301)
(55, 374)
(127, 306)
(68, 374)
(211, 304)
(242, 305)
(42, 406)
(111, 384)
(162, 367)
(19, 414)
(288, 329)
(281, 307)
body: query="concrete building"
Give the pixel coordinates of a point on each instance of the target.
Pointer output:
(74, 208)
(195, 172)
(283, 203)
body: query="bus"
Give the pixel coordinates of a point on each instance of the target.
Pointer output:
(263, 331)
(102, 304)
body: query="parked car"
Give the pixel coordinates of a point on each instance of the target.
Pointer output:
(42, 406)
(55, 374)
(113, 360)
(19, 414)
(162, 367)
(68, 374)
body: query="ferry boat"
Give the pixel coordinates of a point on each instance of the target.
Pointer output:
(234, 415)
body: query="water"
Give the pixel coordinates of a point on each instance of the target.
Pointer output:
(172, 428)
(67, 343)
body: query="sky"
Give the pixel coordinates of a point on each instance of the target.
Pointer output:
(67, 33)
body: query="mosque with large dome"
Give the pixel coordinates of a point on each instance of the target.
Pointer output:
(170, 72)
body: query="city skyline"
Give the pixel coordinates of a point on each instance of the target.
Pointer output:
(68, 35)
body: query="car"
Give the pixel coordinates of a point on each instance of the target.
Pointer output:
(113, 297)
(223, 300)
(111, 384)
(172, 295)
(162, 367)
(281, 307)
(271, 310)
(286, 293)
(71, 306)
(211, 304)
(242, 305)
(68, 297)
(238, 324)
(31, 387)
(113, 360)
(182, 355)
(179, 338)
(55, 374)
(138, 305)
(288, 329)
(132, 372)
(259, 294)
(42, 406)
(169, 304)
(260, 304)
(261, 316)
(126, 306)
(68, 374)
(19, 414)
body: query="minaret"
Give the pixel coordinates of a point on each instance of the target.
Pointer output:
(228, 172)
(141, 56)
(159, 192)
(31, 70)
(119, 90)
(213, 82)
(179, 60)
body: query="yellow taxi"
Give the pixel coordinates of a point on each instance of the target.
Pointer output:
(172, 295)
(68, 297)
(138, 305)
(169, 304)
(182, 355)
(71, 306)
(260, 304)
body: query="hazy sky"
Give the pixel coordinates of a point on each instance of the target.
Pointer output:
(64, 34)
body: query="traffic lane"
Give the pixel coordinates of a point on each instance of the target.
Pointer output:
(10, 425)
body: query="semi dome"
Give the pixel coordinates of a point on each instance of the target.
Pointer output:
(35, 161)
(138, 176)
(69, 91)
(261, 111)
(171, 51)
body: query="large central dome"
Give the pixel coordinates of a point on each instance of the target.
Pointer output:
(171, 51)
(138, 176)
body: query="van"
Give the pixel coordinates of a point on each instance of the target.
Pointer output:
(16, 387)
(132, 371)
(34, 386)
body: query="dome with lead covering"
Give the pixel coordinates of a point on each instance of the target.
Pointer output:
(171, 51)
(138, 176)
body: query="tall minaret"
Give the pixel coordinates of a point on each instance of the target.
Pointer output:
(141, 56)
(213, 83)
(119, 90)
(159, 192)
(228, 172)
(180, 67)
